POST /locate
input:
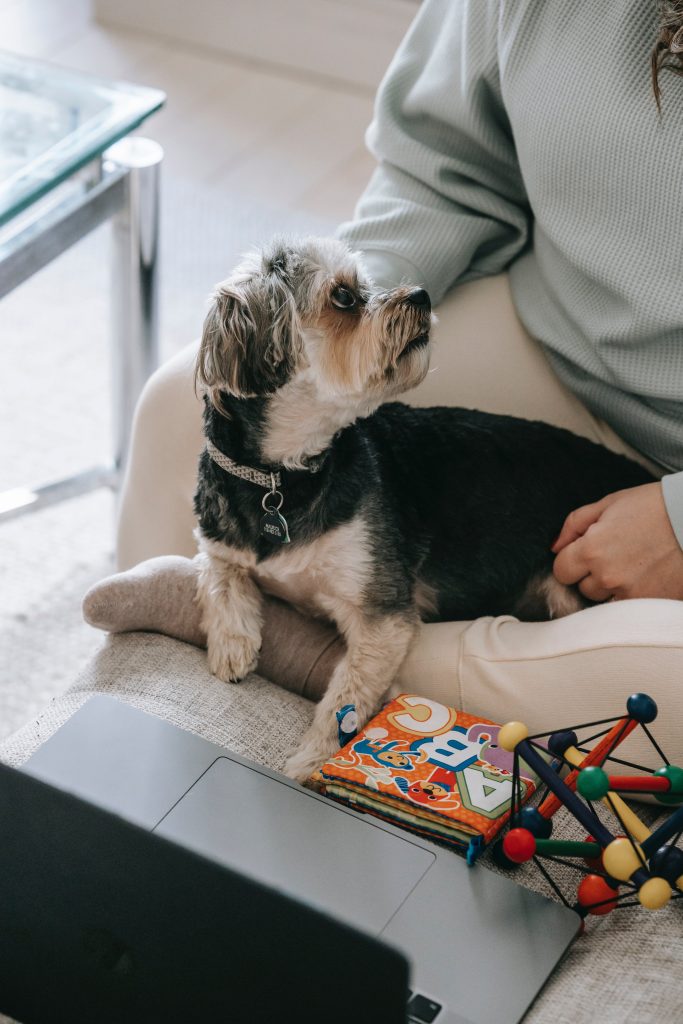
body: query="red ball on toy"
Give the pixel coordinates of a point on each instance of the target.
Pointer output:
(519, 845)
(595, 890)
(594, 862)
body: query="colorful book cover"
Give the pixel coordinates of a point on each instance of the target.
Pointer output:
(429, 768)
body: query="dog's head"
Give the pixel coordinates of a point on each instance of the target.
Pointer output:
(307, 309)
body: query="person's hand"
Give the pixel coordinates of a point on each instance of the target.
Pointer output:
(622, 546)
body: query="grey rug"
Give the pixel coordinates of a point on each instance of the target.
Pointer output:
(55, 419)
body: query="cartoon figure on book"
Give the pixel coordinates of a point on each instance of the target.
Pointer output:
(430, 768)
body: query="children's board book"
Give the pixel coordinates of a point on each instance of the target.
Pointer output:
(431, 769)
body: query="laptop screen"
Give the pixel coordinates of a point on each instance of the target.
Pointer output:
(104, 921)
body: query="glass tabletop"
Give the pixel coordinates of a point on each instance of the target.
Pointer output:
(53, 121)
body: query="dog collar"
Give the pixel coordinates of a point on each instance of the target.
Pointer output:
(255, 476)
(273, 524)
(270, 480)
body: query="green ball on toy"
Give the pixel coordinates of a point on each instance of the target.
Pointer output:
(675, 777)
(592, 783)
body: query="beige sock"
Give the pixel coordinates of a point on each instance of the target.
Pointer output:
(159, 596)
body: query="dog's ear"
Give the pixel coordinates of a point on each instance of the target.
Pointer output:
(227, 335)
(247, 346)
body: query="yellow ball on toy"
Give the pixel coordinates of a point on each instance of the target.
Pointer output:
(621, 860)
(654, 893)
(511, 734)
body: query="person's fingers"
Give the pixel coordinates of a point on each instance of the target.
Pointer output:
(571, 566)
(579, 563)
(576, 524)
(594, 591)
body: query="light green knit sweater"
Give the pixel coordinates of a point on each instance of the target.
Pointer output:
(524, 134)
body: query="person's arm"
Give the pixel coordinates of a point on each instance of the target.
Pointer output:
(446, 202)
(672, 489)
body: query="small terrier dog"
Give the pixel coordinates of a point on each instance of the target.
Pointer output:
(374, 515)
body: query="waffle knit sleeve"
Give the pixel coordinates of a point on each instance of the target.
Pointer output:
(672, 486)
(446, 202)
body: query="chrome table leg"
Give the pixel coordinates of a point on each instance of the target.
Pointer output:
(135, 285)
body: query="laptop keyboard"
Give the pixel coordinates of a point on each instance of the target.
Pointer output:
(422, 1010)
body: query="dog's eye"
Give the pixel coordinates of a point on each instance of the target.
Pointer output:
(343, 298)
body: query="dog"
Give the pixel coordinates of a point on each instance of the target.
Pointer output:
(316, 488)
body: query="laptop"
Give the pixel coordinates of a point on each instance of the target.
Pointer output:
(149, 875)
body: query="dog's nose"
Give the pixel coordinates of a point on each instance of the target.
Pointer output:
(419, 297)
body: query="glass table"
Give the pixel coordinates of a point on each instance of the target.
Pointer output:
(67, 164)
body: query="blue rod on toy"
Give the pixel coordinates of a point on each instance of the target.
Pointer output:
(670, 827)
(571, 801)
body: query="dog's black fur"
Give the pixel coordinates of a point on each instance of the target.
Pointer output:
(466, 502)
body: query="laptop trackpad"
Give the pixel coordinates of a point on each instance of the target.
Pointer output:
(306, 847)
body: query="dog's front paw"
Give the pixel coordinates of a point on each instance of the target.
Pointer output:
(231, 658)
(316, 748)
(304, 762)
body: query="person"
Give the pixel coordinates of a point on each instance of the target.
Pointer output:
(529, 177)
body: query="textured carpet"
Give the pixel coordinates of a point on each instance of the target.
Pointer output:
(55, 419)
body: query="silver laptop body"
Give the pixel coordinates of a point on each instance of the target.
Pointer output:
(480, 945)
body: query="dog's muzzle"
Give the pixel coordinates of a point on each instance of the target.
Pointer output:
(419, 342)
(419, 299)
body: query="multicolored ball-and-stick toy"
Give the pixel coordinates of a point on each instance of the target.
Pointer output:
(642, 864)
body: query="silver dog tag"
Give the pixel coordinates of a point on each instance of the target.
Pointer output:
(274, 526)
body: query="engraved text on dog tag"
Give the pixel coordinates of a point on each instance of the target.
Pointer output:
(274, 526)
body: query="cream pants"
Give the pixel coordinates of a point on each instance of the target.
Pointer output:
(549, 674)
